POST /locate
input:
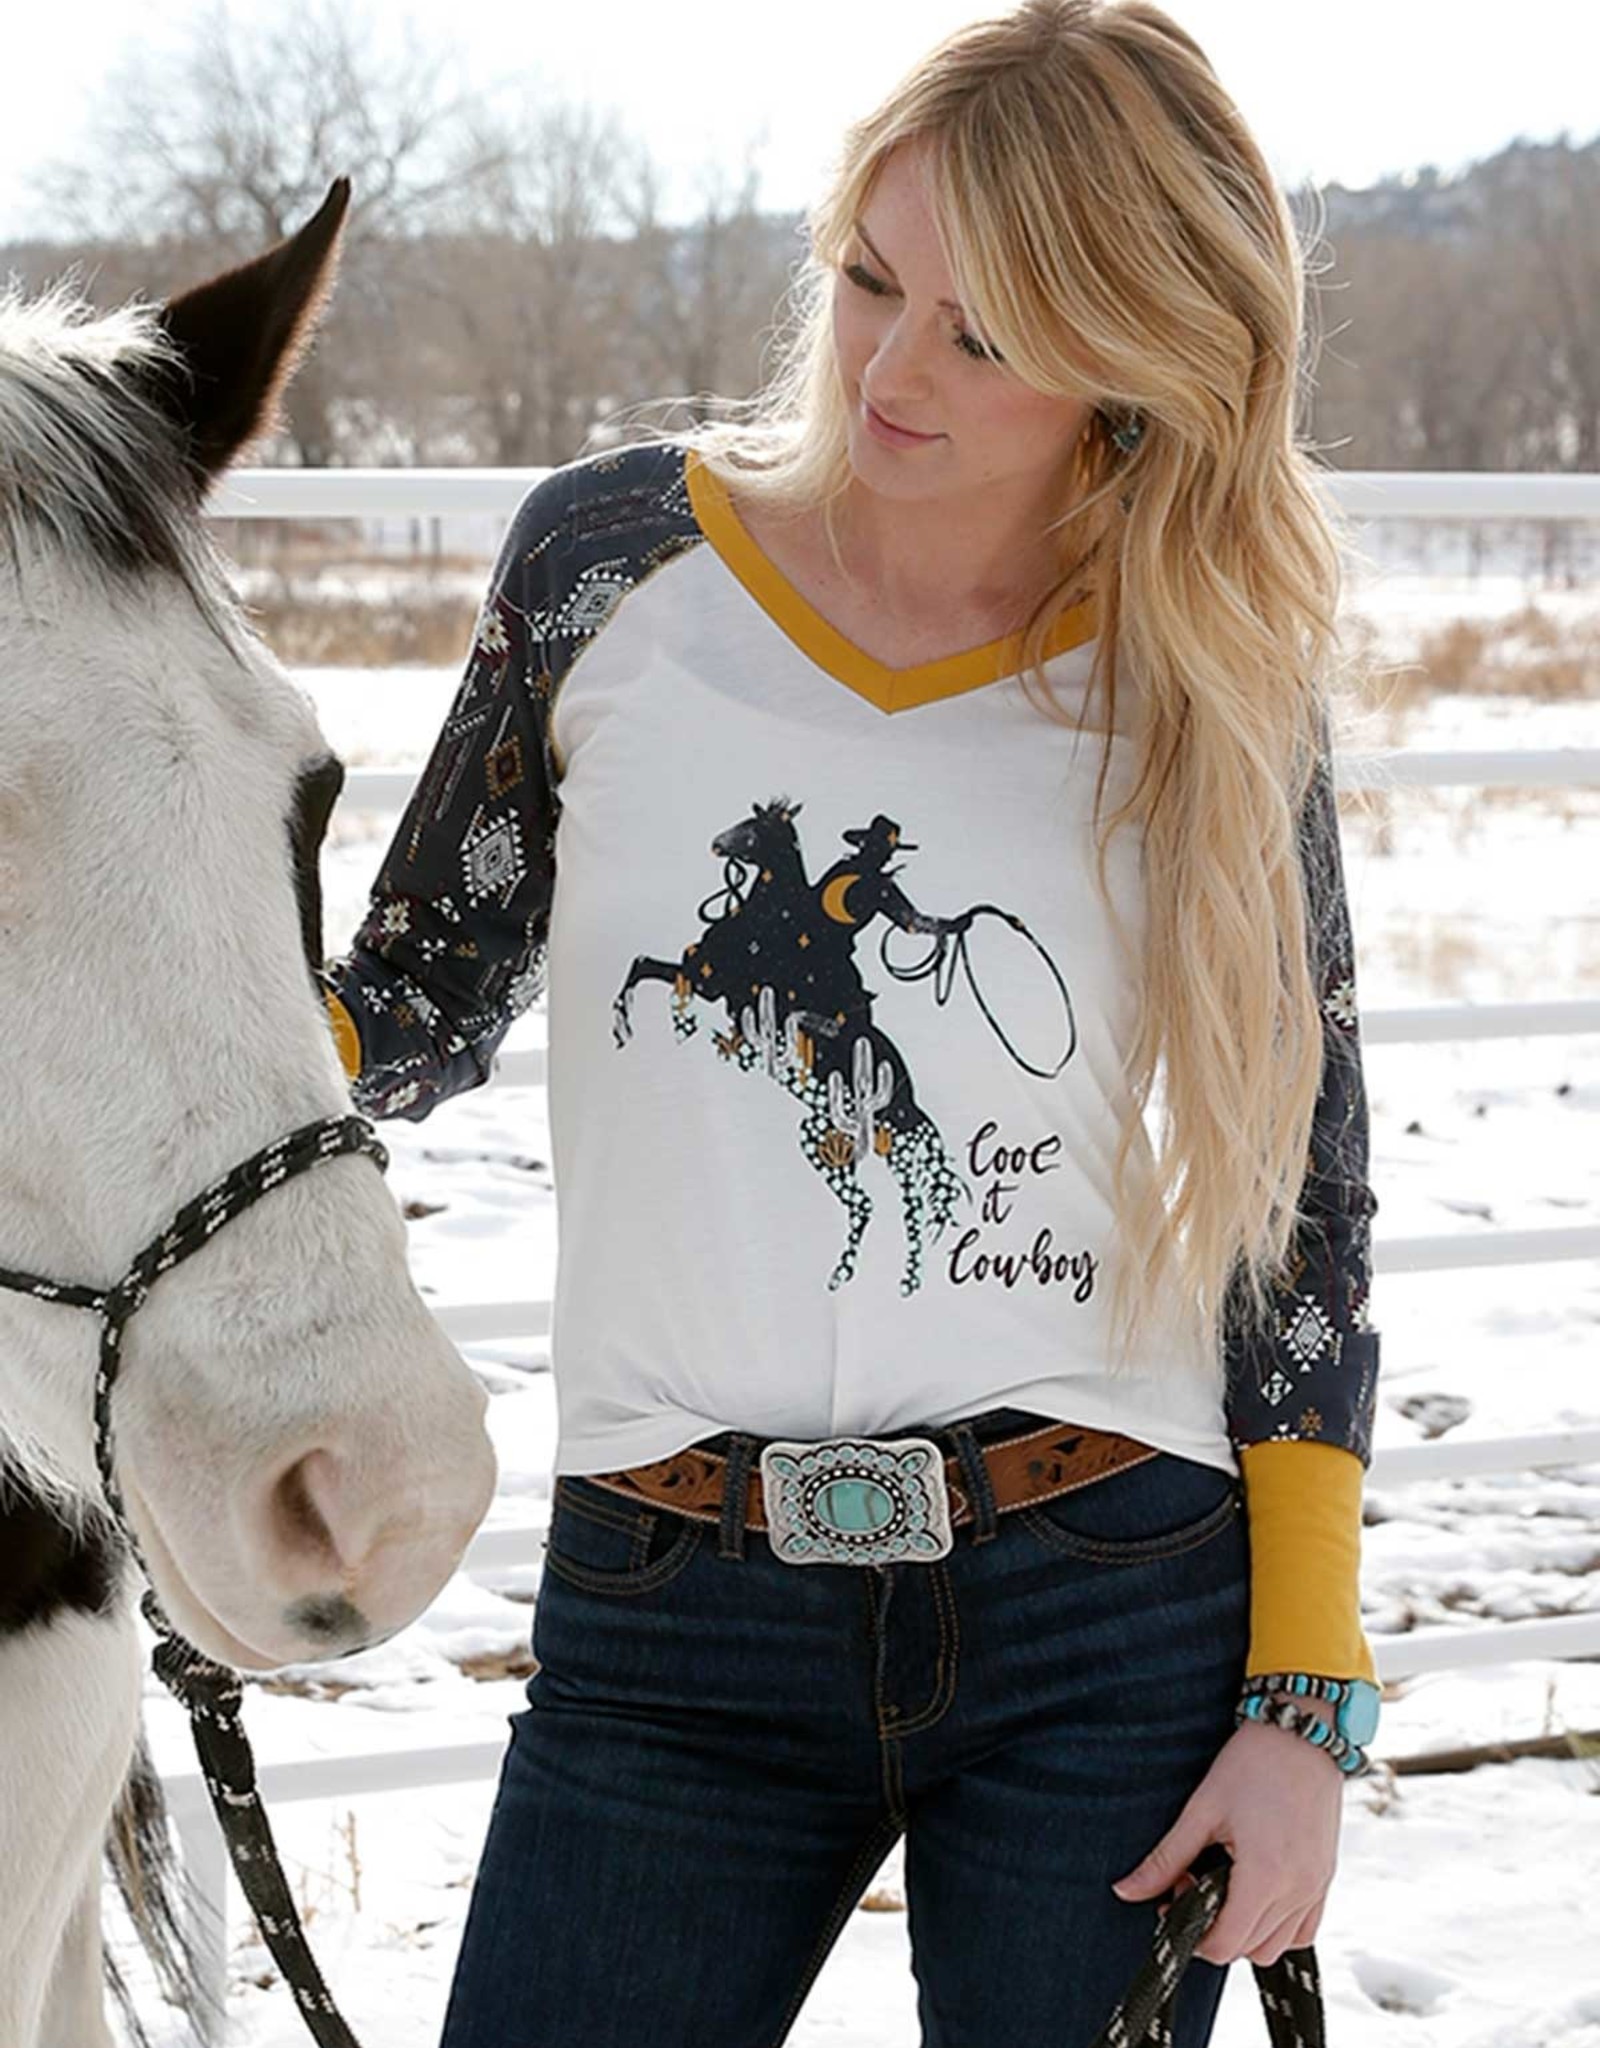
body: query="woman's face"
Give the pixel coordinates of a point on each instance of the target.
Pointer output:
(906, 352)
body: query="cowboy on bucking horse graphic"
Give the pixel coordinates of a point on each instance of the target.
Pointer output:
(780, 953)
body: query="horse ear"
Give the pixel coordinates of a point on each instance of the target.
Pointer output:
(241, 334)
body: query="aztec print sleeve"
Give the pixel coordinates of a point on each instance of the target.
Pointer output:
(1314, 1378)
(452, 948)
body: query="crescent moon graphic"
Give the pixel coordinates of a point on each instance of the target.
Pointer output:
(833, 897)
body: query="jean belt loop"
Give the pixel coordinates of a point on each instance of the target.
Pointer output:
(736, 1493)
(985, 1515)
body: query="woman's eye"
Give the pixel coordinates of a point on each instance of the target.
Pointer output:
(969, 344)
(973, 347)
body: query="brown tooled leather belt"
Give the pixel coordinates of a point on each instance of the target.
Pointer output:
(1022, 1471)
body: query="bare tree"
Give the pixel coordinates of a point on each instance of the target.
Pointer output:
(704, 297)
(1546, 246)
(213, 157)
(560, 294)
(1424, 367)
(519, 297)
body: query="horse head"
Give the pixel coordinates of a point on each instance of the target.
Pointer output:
(765, 832)
(295, 1437)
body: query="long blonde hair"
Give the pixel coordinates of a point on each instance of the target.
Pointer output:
(1114, 230)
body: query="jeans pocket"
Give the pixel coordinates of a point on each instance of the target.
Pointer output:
(1157, 1509)
(605, 1543)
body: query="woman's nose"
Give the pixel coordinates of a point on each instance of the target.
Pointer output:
(900, 361)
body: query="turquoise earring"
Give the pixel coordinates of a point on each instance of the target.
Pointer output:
(1128, 435)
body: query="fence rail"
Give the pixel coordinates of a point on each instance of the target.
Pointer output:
(388, 789)
(282, 494)
(1359, 493)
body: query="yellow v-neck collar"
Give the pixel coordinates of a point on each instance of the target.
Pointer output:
(891, 689)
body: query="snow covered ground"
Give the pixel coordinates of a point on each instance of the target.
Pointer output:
(1465, 1911)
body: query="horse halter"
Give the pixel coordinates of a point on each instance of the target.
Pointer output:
(213, 1692)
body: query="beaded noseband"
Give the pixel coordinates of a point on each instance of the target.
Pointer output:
(213, 1692)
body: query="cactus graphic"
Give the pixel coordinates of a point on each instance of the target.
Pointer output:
(854, 1110)
(760, 1028)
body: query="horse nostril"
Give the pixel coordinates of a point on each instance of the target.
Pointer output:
(298, 1521)
(329, 1619)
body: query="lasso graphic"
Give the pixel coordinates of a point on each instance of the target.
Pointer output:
(949, 949)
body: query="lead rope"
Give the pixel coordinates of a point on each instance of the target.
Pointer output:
(213, 1693)
(1291, 1988)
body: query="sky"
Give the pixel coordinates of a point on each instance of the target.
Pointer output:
(1353, 93)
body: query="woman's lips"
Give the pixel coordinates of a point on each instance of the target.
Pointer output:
(893, 436)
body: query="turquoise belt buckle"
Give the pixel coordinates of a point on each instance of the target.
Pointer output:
(857, 1500)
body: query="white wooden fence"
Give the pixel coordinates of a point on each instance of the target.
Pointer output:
(333, 494)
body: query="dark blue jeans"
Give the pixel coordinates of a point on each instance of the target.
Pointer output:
(719, 1750)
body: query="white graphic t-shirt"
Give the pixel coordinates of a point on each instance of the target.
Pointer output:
(836, 1011)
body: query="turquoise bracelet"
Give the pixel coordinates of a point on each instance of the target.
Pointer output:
(1355, 1722)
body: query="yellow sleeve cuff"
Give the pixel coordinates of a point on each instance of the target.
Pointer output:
(346, 1039)
(1303, 1508)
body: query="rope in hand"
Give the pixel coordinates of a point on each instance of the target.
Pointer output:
(1291, 1988)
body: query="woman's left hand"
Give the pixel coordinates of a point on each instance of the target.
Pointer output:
(1276, 1804)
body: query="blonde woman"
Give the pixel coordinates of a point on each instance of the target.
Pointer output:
(914, 789)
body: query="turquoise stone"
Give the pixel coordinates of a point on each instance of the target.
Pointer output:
(854, 1505)
(1360, 1715)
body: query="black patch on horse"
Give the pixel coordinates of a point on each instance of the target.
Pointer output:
(45, 1567)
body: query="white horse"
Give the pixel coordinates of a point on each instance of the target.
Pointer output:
(301, 1451)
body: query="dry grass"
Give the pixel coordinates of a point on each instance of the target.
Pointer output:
(291, 547)
(1436, 953)
(428, 619)
(489, 1664)
(1526, 653)
(294, 579)
(519, 1662)
(308, 631)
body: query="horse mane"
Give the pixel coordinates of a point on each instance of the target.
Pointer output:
(90, 461)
